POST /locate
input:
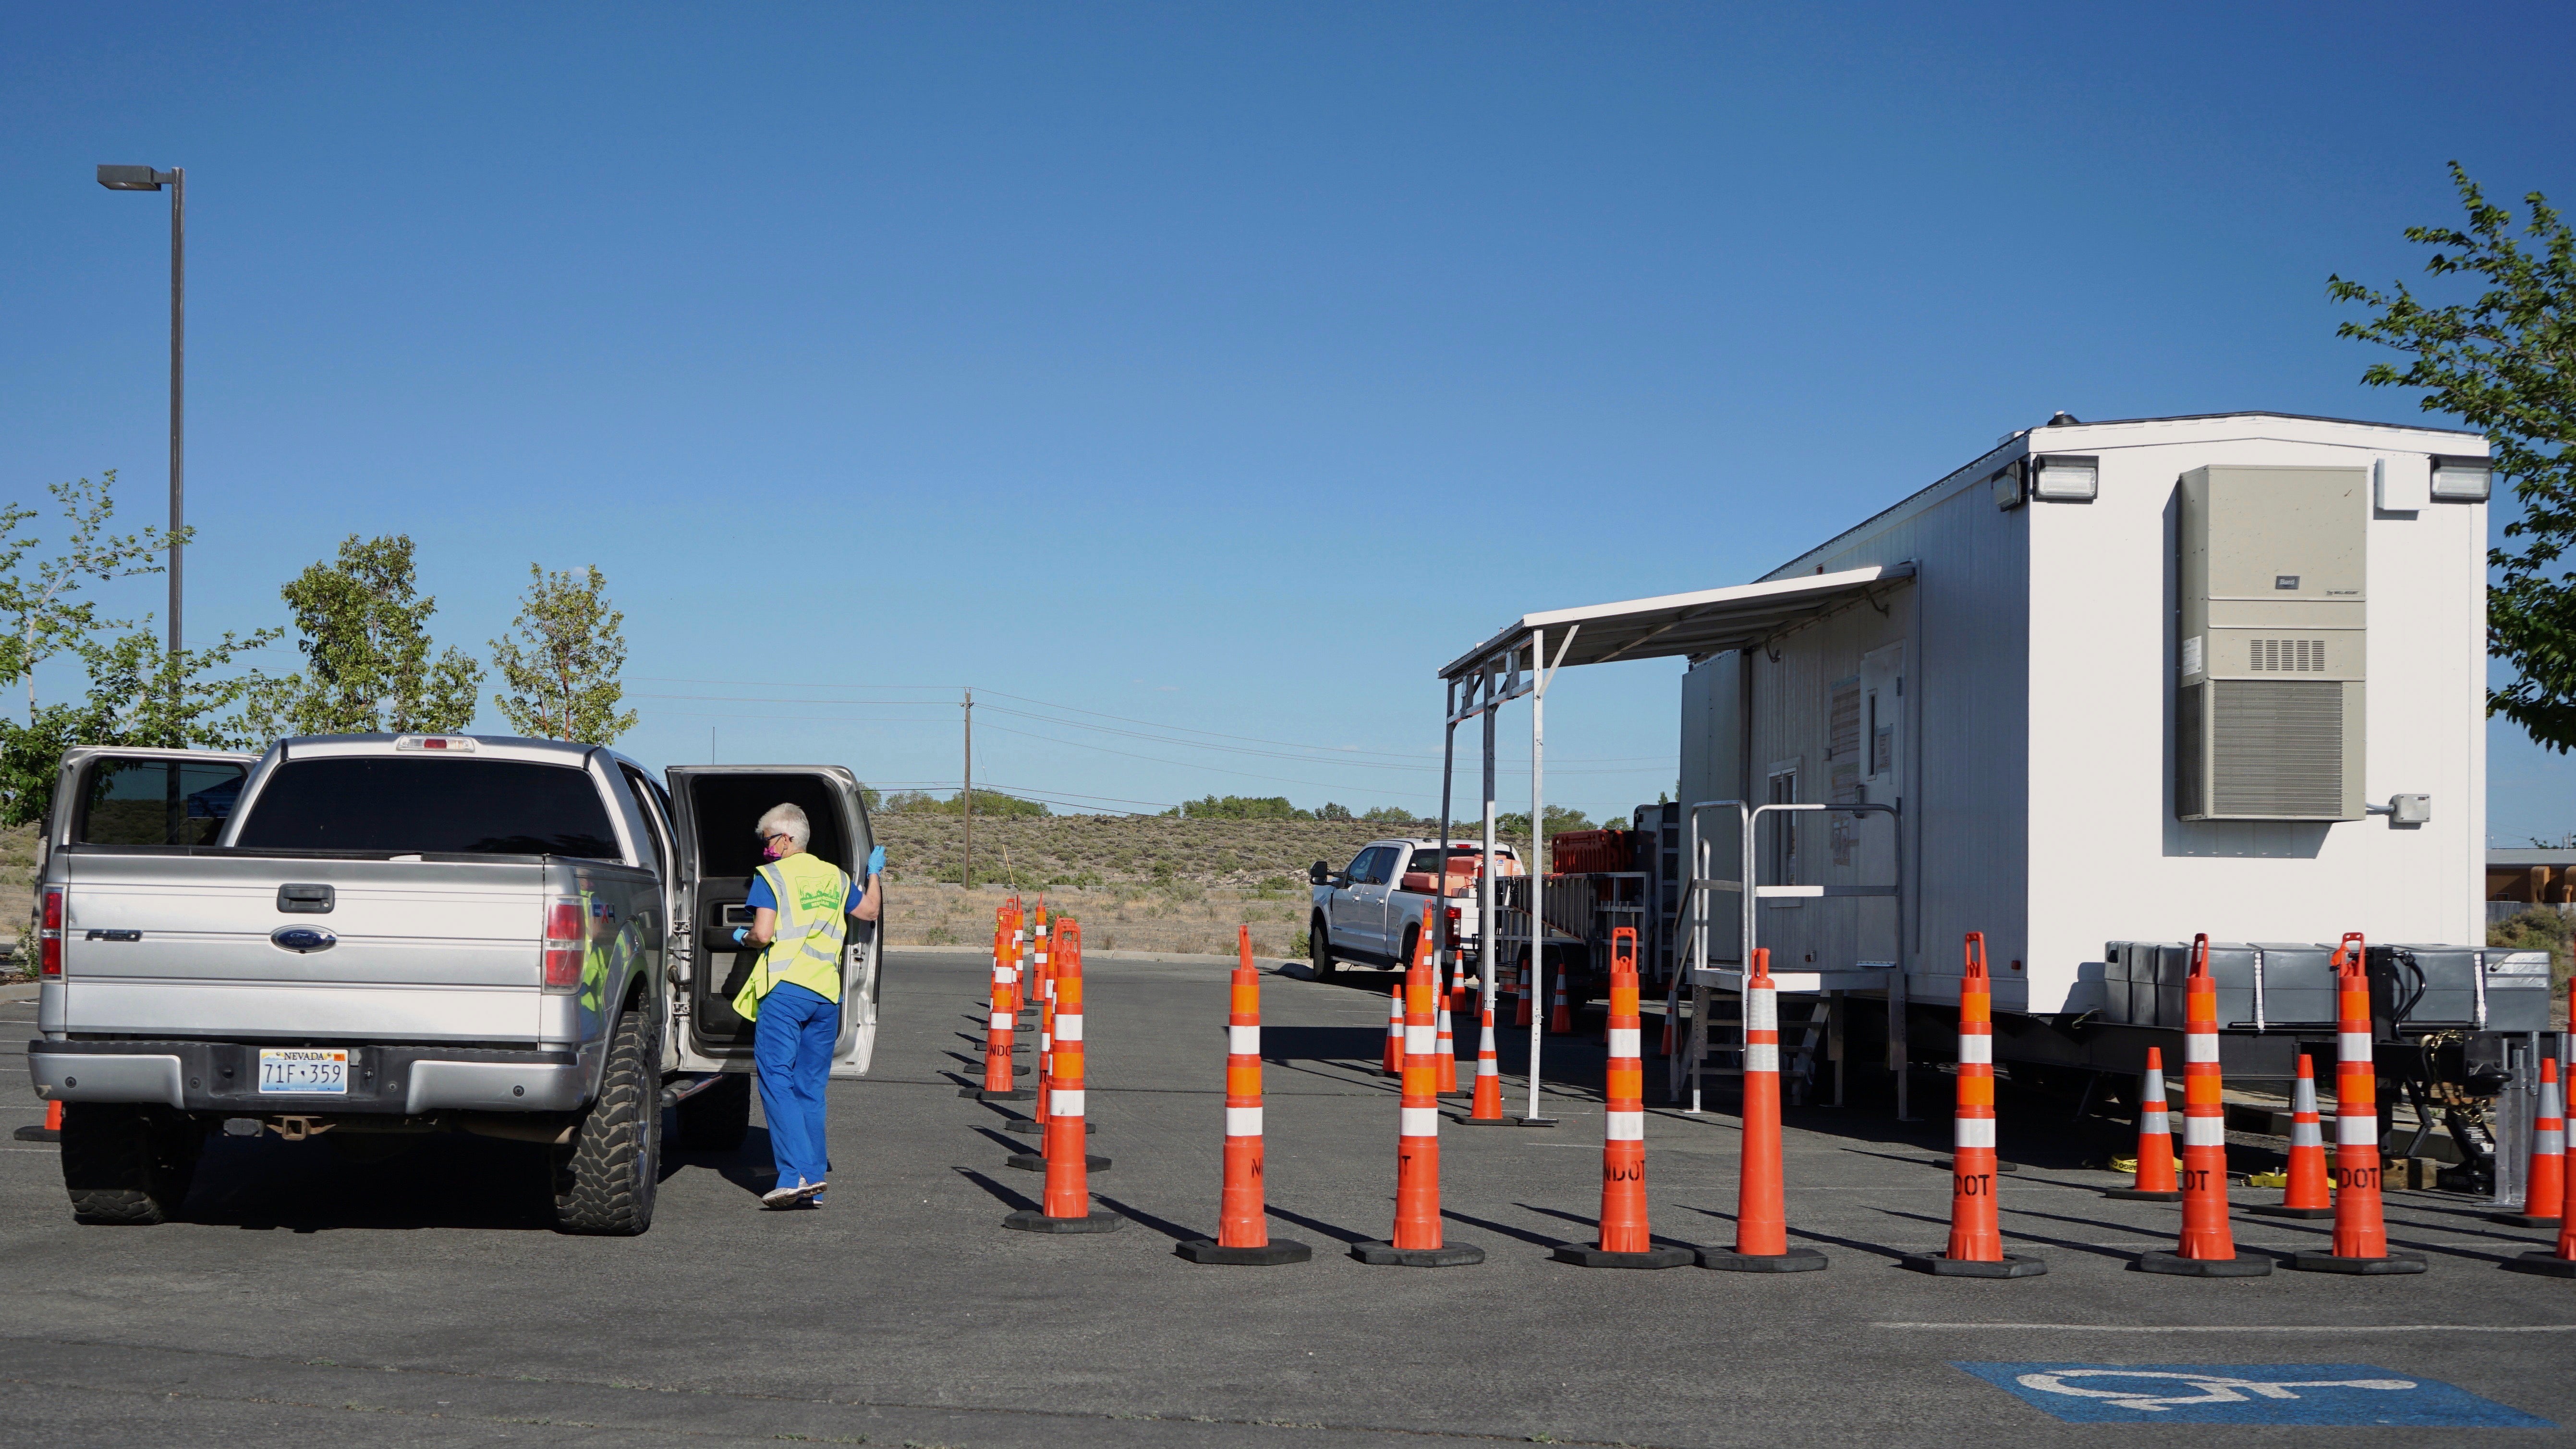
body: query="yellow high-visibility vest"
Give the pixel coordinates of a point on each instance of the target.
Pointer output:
(805, 946)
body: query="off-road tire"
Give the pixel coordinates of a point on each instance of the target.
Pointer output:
(127, 1164)
(1412, 942)
(1319, 946)
(717, 1119)
(604, 1179)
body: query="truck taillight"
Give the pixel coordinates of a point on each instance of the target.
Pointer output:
(49, 938)
(566, 935)
(1453, 925)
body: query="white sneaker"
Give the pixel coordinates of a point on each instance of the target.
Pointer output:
(812, 1191)
(783, 1197)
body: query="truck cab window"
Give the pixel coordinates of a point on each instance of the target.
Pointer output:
(647, 803)
(448, 807)
(157, 802)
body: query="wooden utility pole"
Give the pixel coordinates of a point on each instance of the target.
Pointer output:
(966, 875)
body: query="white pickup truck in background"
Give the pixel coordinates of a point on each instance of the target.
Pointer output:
(1370, 911)
(380, 934)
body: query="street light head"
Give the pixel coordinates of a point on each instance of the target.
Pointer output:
(132, 178)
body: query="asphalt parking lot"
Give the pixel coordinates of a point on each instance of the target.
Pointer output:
(312, 1295)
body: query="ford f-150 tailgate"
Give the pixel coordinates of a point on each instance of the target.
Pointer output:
(178, 942)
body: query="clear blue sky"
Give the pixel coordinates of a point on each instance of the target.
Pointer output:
(1223, 368)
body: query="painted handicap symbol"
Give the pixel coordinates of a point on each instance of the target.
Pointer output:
(2318, 1394)
(2214, 1388)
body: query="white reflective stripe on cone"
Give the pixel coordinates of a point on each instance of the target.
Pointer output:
(2352, 1046)
(2307, 1134)
(2303, 1096)
(1420, 1121)
(2200, 1046)
(1762, 1010)
(1243, 1041)
(1068, 1026)
(2155, 1089)
(1627, 1041)
(2152, 1110)
(2361, 1131)
(1976, 1050)
(1488, 1067)
(1974, 1132)
(1627, 1126)
(1420, 1041)
(2204, 1131)
(2550, 1143)
(1242, 1121)
(1002, 1021)
(1762, 1056)
(1065, 1102)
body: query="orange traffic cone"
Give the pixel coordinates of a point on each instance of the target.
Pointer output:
(1418, 1242)
(2207, 1248)
(52, 1131)
(1560, 1012)
(1066, 1207)
(1976, 1248)
(2544, 1191)
(998, 1027)
(2304, 1195)
(2360, 1232)
(1528, 994)
(1488, 1109)
(1068, 933)
(1392, 1064)
(1444, 1056)
(1242, 1220)
(2155, 1179)
(1761, 1208)
(1626, 1241)
(1458, 992)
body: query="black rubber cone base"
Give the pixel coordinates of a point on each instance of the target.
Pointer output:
(1941, 1267)
(2547, 1265)
(1036, 1162)
(1585, 1255)
(2318, 1262)
(1007, 1094)
(2141, 1194)
(1032, 1127)
(51, 1134)
(2243, 1265)
(1450, 1255)
(1796, 1260)
(1030, 1220)
(1534, 1121)
(1472, 1121)
(1268, 1255)
(2519, 1220)
(2282, 1210)
(1459, 1094)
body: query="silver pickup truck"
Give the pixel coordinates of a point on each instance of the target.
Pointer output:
(410, 933)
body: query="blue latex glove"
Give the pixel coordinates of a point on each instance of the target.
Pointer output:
(741, 934)
(876, 861)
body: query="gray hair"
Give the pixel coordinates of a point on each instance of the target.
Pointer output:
(787, 820)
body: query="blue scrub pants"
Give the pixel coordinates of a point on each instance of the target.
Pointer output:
(791, 1048)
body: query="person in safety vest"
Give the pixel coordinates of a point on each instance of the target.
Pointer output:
(792, 997)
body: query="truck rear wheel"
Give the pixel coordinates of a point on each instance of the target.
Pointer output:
(1319, 946)
(605, 1178)
(129, 1164)
(717, 1119)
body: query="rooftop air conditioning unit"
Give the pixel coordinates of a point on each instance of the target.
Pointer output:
(2268, 703)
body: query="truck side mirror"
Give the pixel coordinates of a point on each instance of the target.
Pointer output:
(1318, 873)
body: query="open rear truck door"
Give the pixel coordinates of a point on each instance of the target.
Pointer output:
(715, 808)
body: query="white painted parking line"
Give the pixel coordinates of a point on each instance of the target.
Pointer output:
(2252, 1327)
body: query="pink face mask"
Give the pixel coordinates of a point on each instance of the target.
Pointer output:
(769, 849)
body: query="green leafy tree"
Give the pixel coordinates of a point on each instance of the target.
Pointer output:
(987, 802)
(1240, 807)
(138, 694)
(44, 615)
(561, 666)
(2506, 363)
(364, 631)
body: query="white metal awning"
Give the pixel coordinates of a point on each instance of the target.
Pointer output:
(1709, 621)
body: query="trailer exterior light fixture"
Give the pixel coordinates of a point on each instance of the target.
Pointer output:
(2008, 486)
(2461, 480)
(2065, 478)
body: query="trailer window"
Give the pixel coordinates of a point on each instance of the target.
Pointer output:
(157, 802)
(434, 807)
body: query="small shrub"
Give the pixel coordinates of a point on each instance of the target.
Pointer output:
(1277, 883)
(1301, 947)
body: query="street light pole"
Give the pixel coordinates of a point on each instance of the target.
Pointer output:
(144, 178)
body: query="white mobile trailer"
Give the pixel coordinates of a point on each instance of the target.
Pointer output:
(2124, 682)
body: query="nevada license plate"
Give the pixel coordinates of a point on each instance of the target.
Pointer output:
(304, 1069)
